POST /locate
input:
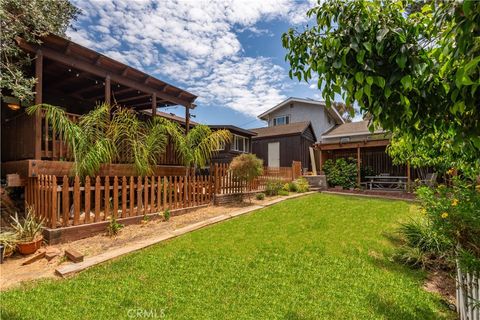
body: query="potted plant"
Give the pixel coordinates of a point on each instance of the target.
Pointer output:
(8, 240)
(29, 232)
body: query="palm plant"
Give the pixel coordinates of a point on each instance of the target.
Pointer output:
(102, 136)
(196, 148)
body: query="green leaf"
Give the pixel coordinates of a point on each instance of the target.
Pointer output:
(359, 95)
(467, 7)
(380, 81)
(359, 77)
(368, 46)
(407, 82)
(369, 80)
(401, 61)
(361, 56)
(387, 92)
(381, 34)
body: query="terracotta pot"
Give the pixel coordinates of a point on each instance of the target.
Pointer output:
(30, 247)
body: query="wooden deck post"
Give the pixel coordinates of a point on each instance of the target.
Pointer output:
(38, 100)
(107, 90)
(358, 167)
(154, 104)
(187, 120)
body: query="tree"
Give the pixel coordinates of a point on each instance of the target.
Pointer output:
(246, 167)
(99, 136)
(196, 148)
(30, 20)
(414, 71)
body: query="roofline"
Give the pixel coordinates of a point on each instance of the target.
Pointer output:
(353, 134)
(309, 125)
(232, 128)
(291, 99)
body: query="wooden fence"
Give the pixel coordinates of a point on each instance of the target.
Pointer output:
(468, 295)
(65, 201)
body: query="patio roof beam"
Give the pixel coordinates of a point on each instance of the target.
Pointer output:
(100, 72)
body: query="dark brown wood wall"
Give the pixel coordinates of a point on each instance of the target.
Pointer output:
(292, 148)
(18, 136)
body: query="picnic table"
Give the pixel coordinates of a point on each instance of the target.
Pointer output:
(386, 182)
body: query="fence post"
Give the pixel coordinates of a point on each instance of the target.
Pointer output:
(76, 201)
(53, 219)
(65, 200)
(88, 191)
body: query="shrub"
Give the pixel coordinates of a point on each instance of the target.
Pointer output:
(273, 187)
(283, 193)
(453, 212)
(301, 185)
(9, 241)
(246, 167)
(113, 227)
(166, 215)
(260, 196)
(341, 172)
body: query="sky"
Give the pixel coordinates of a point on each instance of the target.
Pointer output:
(227, 52)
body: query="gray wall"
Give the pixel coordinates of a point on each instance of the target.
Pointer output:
(300, 111)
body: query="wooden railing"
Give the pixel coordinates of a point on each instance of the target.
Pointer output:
(65, 202)
(53, 144)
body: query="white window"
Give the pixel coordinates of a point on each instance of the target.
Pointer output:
(221, 146)
(240, 144)
(281, 120)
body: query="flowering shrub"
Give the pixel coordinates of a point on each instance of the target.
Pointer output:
(455, 213)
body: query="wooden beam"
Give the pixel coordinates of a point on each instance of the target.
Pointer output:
(353, 145)
(134, 98)
(100, 72)
(38, 100)
(154, 104)
(108, 89)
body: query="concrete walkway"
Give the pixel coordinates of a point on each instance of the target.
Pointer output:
(72, 268)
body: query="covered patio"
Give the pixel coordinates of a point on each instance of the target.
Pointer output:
(76, 78)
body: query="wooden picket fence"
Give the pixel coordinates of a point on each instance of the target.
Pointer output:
(468, 295)
(65, 201)
(227, 183)
(68, 201)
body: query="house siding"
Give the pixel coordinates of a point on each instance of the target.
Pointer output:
(292, 148)
(301, 111)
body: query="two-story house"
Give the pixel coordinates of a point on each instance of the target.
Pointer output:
(294, 125)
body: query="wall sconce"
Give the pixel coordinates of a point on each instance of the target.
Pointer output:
(12, 103)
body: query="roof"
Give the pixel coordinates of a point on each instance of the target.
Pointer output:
(233, 129)
(332, 110)
(350, 129)
(282, 130)
(94, 66)
(170, 116)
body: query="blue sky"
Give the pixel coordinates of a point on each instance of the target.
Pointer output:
(228, 52)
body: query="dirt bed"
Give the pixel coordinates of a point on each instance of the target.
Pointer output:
(12, 272)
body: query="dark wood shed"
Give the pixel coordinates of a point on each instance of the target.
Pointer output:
(278, 146)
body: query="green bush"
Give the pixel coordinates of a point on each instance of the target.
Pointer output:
(424, 246)
(301, 185)
(273, 187)
(260, 196)
(341, 172)
(283, 193)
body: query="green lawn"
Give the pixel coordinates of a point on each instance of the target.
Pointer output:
(316, 257)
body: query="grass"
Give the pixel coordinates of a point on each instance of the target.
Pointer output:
(315, 257)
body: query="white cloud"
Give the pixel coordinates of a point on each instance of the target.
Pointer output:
(193, 42)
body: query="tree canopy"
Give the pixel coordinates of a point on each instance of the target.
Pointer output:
(414, 69)
(30, 20)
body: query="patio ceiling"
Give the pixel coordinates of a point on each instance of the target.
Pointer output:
(80, 75)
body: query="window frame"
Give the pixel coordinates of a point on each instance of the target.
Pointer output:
(235, 143)
(286, 120)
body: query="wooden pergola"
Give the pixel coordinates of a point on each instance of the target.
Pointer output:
(358, 147)
(70, 74)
